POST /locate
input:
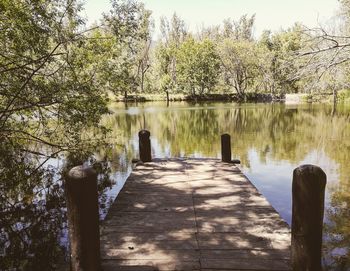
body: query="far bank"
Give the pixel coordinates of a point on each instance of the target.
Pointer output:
(294, 98)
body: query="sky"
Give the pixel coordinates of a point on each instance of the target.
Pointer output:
(270, 14)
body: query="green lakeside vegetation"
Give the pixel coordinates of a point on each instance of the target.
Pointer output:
(59, 78)
(224, 62)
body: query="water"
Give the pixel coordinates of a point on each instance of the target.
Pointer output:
(269, 139)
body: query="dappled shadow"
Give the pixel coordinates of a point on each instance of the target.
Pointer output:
(195, 214)
(33, 222)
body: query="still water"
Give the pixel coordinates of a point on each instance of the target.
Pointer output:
(269, 139)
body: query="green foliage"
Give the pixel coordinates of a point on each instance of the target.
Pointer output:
(245, 65)
(45, 73)
(238, 63)
(277, 60)
(162, 56)
(344, 95)
(337, 229)
(173, 35)
(129, 26)
(197, 66)
(54, 76)
(239, 30)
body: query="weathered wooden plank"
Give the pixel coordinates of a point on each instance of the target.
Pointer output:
(159, 264)
(150, 254)
(232, 241)
(231, 200)
(252, 264)
(151, 219)
(193, 214)
(170, 255)
(169, 186)
(138, 202)
(148, 241)
(245, 254)
(236, 221)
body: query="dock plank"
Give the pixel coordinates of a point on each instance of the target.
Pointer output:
(192, 214)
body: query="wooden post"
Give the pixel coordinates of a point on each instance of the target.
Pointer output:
(308, 190)
(226, 148)
(145, 146)
(83, 218)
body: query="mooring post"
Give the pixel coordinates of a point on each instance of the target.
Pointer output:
(145, 146)
(226, 148)
(308, 190)
(83, 218)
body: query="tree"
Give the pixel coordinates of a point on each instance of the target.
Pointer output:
(239, 30)
(197, 66)
(49, 102)
(143, 64)
(129, 25)
(325, 54)
(238, 64)
(174, 34)
(163, 58)
(276, 55)
(143, 46)
(44, 73)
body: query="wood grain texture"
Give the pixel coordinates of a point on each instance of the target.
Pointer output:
(192, 214)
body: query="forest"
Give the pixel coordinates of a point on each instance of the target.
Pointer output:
(221, 59)
(121, 55)
(59, 76)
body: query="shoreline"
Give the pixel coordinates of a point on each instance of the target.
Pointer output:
(249, 97)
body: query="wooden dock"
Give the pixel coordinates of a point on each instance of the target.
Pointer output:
(192, 214)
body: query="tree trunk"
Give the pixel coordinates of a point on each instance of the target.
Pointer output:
(334, 108)
(142, 81)
(335, 93)
(202, 90)
(167, 96)
(125, 95)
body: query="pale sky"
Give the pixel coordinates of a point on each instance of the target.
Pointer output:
(270, 14)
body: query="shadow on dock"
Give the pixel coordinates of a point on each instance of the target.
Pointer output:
(193, 214)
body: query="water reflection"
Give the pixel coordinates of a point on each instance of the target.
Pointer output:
(33, 225)
(269, 139)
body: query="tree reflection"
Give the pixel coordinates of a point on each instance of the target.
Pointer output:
(31, 212)
(276, 131)
(337, 230)
(33, 227)
(32, 205)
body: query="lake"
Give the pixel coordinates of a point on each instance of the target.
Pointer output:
(270, 140)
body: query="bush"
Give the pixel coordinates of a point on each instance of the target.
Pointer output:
(344, 95)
